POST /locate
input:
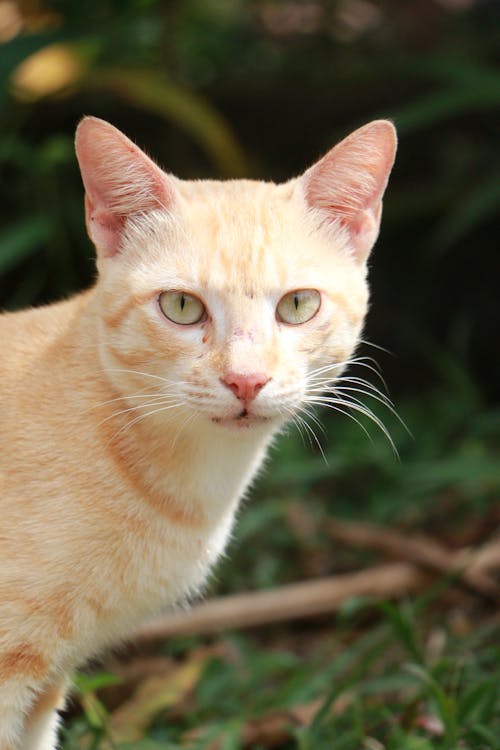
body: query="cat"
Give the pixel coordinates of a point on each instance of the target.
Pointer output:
(135, 415)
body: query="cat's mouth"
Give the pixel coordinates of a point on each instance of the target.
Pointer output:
(241, 421)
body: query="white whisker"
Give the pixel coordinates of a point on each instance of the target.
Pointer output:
(147, 394)
(141, 372)
(310, 432)
(331, 402)
(130, 424)
(188, 419)
(376, 346)
(155, 402)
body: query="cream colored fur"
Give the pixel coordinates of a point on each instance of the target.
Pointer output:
(123, 453)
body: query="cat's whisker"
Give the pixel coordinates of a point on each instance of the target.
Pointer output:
(367, 389)
(310, 432)
(145, 374)
(155, 402)
(347, 380)
(130, 424)
(291, 416)
(359, 381)
(188, 419)
(332, 402)
(348, 414)
(313, 418)
(316, 421)
(147, 394)
(313, 374)
(368, 362)
(333, 389)
(377, 397)
(376, 346)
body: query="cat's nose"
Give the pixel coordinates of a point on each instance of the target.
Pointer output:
(245, 387)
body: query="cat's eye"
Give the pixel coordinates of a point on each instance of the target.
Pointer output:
(298, 306)
(181, 308)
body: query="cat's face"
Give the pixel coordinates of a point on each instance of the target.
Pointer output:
(227, 303)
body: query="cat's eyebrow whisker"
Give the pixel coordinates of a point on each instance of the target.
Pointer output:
(376, 346)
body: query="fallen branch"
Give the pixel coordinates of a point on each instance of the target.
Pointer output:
(468, 566)
(291, 602)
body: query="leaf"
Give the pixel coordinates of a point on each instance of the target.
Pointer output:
(171, 101)
(94, 710)
(18, 49)
(130, 721)
(447, 707)
(89, 683)
(445, 104)
(47, 71)
(478, 205)
(21, 240)
(404, 626)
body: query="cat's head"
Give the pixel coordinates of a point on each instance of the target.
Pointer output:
(230, 302)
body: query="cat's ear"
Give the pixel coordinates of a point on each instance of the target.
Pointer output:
(120, 181)
(348, 183)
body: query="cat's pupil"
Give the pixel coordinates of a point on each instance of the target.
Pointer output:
(182, 302)
(296, 301)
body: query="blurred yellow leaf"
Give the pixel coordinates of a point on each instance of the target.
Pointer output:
(47, 72)
(130, 721)
(11, 22)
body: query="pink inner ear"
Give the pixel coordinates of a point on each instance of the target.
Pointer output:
(104, 228)
(348, 183)
(120, 181)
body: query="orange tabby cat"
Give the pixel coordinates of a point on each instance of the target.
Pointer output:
(134, 416)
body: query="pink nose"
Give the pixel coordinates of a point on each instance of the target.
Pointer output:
(245, 387)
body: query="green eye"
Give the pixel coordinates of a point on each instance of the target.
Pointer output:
(299, 306)
(181, 308)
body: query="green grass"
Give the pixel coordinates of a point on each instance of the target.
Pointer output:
(403, 682)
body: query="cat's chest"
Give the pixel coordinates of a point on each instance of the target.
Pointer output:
(147, 570)
(159, 534)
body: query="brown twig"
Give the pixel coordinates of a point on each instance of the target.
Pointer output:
(294, 601)
(468, 566)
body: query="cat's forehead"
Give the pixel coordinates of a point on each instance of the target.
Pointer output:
(247, 230)
(208, 191)
(240, 236)
(245, 207)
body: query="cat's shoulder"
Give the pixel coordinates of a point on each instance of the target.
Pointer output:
(28, 331)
